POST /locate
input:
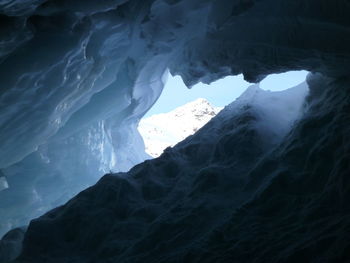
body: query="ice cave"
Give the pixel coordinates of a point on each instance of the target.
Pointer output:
(265, 180)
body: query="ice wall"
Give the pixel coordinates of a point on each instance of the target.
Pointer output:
(236, 191)
(76, 77)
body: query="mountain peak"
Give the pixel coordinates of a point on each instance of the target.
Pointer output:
(167, 129)
(200, 101)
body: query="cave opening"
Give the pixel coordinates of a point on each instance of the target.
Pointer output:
(265, 180)
(180, 112)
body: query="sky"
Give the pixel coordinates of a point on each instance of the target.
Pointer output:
(219, 93)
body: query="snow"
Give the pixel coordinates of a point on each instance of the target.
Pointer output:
(167, 129)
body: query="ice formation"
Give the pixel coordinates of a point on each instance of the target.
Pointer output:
(191, 188)
(164, 130)
(3, 183)
(77, 76)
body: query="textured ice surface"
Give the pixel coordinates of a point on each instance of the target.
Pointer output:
(231, 193)
(164, 130)
(164, 208)
(3, 183)
(11, 244)
(76, 76)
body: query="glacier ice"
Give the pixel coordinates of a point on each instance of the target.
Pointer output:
(236, 191)
(3, 183)
(77, 76)
(11, 244)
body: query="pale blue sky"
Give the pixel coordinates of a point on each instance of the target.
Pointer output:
(219, 93)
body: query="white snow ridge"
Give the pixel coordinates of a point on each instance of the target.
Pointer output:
(167, 129)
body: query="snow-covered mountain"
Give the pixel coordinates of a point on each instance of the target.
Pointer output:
(167, 129)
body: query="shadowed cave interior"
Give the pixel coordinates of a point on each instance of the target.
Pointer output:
(266, 180)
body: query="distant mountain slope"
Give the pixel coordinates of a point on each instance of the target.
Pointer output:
(167, 129)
